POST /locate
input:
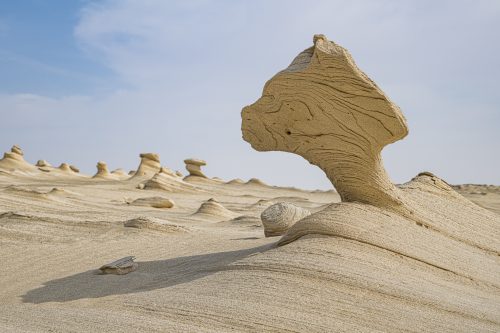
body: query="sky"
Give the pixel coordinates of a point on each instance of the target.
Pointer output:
(83, 81)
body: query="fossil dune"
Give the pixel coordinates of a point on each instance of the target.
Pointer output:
(375, 257)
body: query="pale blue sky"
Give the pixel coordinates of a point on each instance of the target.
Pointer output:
(83, 81)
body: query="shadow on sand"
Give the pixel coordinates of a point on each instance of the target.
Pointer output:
(150, 275)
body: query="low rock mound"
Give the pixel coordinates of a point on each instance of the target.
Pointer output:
(152, 223)
(155, 202)
(278, 218)
(255, 181)
(214, 210)
(167, 181)
(74, 169)
(236, 181)
(65, 167)
(119, 174)
(14, 161)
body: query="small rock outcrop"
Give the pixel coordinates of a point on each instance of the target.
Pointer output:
(155, 202)
(278, 218)
(120, 267)
(43, 164)
(74, 168)
(194, 167)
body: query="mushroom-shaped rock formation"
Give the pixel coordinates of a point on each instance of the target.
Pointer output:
(278, 218)
(65, 167)
(14, 161)
(150, 165)
(212, 209)
(102, 171)
(194, 167)
(43, 164)
(325, 109)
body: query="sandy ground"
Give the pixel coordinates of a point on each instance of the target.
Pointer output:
(211, 273)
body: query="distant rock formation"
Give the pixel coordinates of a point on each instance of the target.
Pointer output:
(236, 181)
(14, 161)
(102, 171)
(255, 181)
(278, 218)
(150, 165)
(43, 163)
(119, 173)
(64, 167)
(74, 169)
(194, 167)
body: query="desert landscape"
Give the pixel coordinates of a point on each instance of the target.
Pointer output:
(208, 254)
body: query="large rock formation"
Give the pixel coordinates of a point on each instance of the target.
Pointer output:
(150, 164)
(325, 109)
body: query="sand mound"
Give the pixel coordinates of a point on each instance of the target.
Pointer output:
(214, 210)
(194, 165)
(278, 218)
(14, 161)
(152, 223)
(236, 181)
(155, 202)
(150, 165)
